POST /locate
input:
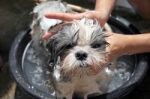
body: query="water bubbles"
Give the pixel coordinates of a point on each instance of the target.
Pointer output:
(38, 70)
(42, 96)
(32, 87)
(16, 71)
(53, 93)
(47, 72)
(35, 70)
(31, 51)
(122, 74)
(38, 74)
(29, 87)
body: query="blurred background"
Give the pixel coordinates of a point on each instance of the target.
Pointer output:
(15, 16)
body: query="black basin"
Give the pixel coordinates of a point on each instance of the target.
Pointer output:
(118, 25)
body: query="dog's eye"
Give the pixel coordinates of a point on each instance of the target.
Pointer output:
(69, 46)
(97, 45)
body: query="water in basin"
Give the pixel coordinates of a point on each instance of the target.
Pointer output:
(38, 75)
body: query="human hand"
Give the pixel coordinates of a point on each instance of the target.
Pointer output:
(117, 46)
(114, 49)
(101, 17)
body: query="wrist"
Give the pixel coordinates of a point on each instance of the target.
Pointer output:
(104, 7)
(102, 17)
(127, 45)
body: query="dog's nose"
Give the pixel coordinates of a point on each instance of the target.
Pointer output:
(81, 55)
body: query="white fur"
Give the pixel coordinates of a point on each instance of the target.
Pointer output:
(68, 76)
(86, 85)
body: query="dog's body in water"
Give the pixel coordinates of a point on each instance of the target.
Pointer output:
(75, 53)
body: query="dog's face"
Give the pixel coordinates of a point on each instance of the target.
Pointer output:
(79, 47)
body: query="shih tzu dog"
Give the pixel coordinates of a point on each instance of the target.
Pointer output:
(75, 52)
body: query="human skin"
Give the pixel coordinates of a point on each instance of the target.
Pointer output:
(119, 44)
(142, 7)
(102, 12)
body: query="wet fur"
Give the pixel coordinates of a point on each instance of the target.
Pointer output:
(69, 75)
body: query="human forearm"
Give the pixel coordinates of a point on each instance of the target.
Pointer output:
(105, 6)
(120, 44)
(102, 11)
(137, 43)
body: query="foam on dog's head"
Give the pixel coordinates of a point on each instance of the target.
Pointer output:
(80, 46)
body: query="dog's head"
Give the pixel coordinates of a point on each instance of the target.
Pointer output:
(79, 47)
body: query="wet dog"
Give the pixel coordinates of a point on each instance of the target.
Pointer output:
(76, 52)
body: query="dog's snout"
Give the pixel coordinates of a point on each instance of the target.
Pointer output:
(81, 55)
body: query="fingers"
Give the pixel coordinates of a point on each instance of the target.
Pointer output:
(53, 30)
(47, 35)
(64, 16)
(60, 16)
(72, 16)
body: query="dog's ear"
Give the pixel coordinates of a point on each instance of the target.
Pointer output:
(63, 37)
